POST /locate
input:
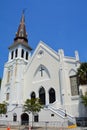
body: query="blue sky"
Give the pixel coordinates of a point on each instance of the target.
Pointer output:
(58, 23)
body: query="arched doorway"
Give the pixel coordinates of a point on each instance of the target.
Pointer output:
(52, 97)
(24, 119)
(42, 95)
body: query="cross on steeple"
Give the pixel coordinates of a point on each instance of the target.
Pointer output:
(41, 70)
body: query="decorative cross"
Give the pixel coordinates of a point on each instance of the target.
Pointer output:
(41, 69)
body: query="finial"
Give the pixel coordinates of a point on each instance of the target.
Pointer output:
(23, 11)
(23, 17)
(77, 55)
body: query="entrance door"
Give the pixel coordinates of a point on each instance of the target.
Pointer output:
(24, 119)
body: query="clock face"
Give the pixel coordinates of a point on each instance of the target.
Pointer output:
(40, 54)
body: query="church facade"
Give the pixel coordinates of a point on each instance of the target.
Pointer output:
(45, 74)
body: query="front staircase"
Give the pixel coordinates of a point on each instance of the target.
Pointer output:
(62, 113)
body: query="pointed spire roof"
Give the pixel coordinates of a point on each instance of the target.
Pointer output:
(21, 34)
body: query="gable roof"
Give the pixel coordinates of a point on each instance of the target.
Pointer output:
(45, 47)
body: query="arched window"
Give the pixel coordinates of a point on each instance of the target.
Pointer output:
(36, 118)
(7, 96)
(14, 117)
(74, 85)
(26, 55)
(8, 76)
(12, 54)
(52, 97)
(16, 52)
(33, 95)
(22, 53)
(42, 95)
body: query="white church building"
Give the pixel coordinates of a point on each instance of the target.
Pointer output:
(44, 74)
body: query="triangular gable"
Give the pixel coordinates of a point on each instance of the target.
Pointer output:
(46, 48)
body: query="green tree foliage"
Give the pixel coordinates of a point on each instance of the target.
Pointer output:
(84, 99)
(32, 105)
(82, 77)
(3, 108)
(82, 73)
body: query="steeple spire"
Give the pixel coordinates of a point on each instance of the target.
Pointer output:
(21, 33)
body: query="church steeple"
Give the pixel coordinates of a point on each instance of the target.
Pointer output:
(20, 47)
(21, 34)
